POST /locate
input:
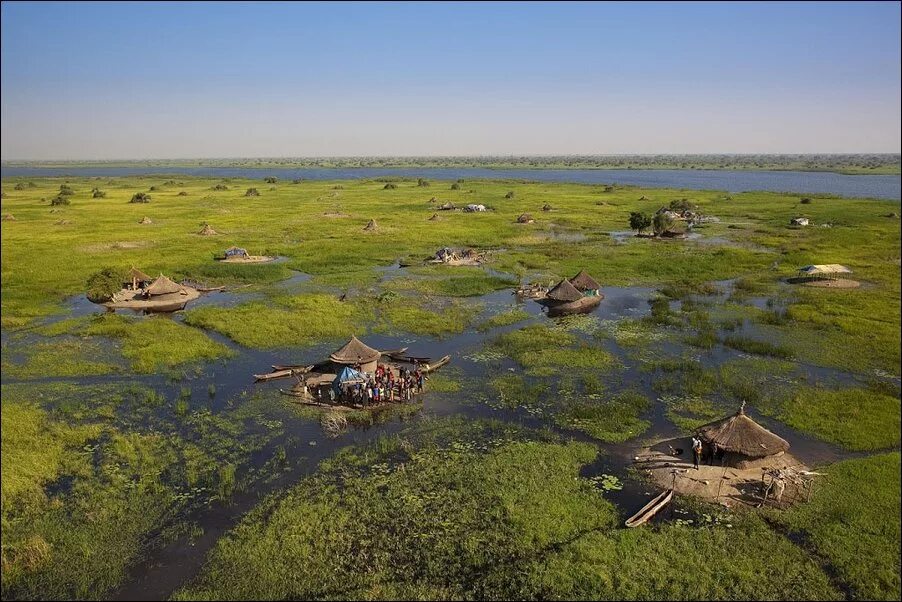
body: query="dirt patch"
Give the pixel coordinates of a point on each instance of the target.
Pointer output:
(123, 245)
(664, 465)
(335, 214)
(838, 283)
(248, 259)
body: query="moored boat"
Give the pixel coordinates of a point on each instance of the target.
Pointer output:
(650, 509)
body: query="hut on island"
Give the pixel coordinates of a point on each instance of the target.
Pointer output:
(137, 279)
(525, 218)
(798, 221)
(208, 230)
(145, 220)
(162, 286)
(357, 354)
(564, 292)
(371, 226)
(823, 271)
(236, 252)
(585, 283)
(741, 442)
(546, 207)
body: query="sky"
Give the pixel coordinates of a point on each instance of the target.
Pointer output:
(183, 80)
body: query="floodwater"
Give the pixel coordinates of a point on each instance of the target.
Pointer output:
(807, 182)
(168, 568)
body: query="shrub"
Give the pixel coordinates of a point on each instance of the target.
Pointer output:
(609, 189)
(422, 183)
(662, 223)
(252, 192)
(389, 186)
(105, 283)
(639, 221)
(19, 186)
(153, 188)
(220, 187)
(66, 190)
(297, 180)
(509, 195)
(140, 197)
(271, 179)
(98, 194)
(59, 200)
(805, 201)
(182, 193)
(682, 205)
(455, 186)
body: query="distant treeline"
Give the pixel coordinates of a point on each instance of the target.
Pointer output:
(846, 163)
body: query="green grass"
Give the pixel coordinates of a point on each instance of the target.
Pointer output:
(613, 420)
(858, 419)
(853, 522)
(290, 320)
(63, 357)
(156, 343)
(400, 315)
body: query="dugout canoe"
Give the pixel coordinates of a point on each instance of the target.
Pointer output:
(426, 369)
(273, 375)
(650, 509)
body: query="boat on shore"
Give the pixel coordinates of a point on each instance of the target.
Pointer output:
(650, 509)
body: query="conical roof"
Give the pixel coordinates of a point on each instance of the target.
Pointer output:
(742, 435)
(584, 282)
(162, 286)
(207, 230)
(524, 218)
(371, 225)
(354, 352)
(138, 275)
(564, 291)
(9, 217)
(145, 220)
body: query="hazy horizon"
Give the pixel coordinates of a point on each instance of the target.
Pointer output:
(97, 81)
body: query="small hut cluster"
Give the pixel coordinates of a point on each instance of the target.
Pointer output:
(357, 375)
(829, 271)
(451, 256)
(142, 292)
(579, 294)
(799, 222)
(474, 208)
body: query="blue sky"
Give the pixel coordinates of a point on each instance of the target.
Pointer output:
(106, 80)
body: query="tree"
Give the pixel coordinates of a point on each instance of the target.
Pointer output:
(455, 186)
(662, 223)
(66, 190)
(105, 283)
(509, 195)
(271, 180)
(98, 194)
(422, 183)
(59, 199)
(639, 221)
(252, 192)
(389, 186)
(140, 197)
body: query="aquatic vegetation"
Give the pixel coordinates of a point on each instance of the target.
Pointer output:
(62, 357)
(157, 342)
(690, 412)
(505, 318)
(611, 419)
(451, 318)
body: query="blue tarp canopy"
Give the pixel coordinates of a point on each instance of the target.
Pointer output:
(233, 251)
(347, 375)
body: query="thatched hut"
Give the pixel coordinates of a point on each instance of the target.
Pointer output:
(162, 286)
(358, 354)
(525, 218)
(145, 220)
(208, 230)
(137, 279)
(823, 271)
(742, 442)
(546, 207)
(434, 217)
(583, 282)
(564, 292)
(799, 221)
(9, 217)
(236, 252)
(371, 226)
(446, 206)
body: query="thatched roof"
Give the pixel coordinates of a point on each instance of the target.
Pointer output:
(829, 268)
(434, 217)
(564, 291)
(162, 286)
(138, 275)
(584, 282)
(354, 352)
(9, 217)
(525, 218)
(742, 435)
(546, 207)
(370, 226)
(145, 220)
(208, 231)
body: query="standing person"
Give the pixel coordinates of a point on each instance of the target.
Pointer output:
(714, 451)
(696, 451)
(331, 395)
(420, 381)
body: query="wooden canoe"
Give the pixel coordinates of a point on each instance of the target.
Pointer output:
(273, 375)
(433, 367)
(296, 368)
(650, 509)
(409, 359)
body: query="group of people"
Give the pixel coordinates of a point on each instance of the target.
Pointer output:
(383, 386)
(699, 452)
